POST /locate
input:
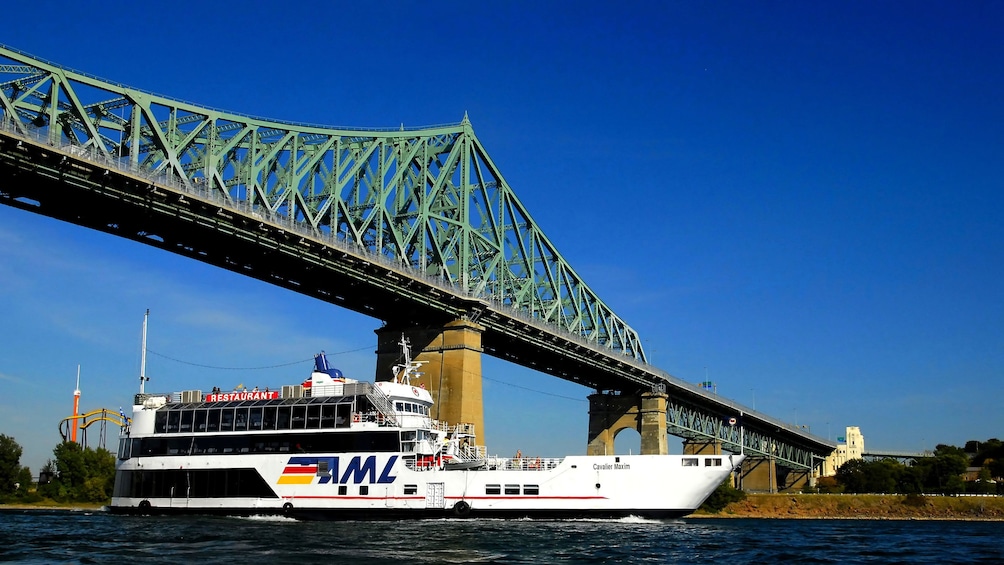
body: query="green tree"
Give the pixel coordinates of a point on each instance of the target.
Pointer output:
(828, 485)
(10, 464)
(943, 472)
(82, 474)
(990, 453)
(724, 495)
(883, 476)
(983, 482)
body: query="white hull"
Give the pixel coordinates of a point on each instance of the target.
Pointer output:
(380, 485)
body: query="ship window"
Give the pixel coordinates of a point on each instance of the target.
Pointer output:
(410, 489)
(299, 417)
(200, 420)
(512, 489)
(186, 420)
(328, 416)
(364, 490)
(282, 418)
(322, 468)
(213, 420)
(493, 489)
(399, 406)
(268, 418)
(160, 423)
(343, 490)
(227, 420)
(254, 418)
(689, 462)
(240, 419)
(313, 416)
(531, 489)
(173, 419)
(718, 462)
(124, 446)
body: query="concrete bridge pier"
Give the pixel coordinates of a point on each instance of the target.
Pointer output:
(452, 372)
(758, 474)
(763, 474)
(611, 413)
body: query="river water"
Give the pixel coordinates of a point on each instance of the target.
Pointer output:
(97, 537)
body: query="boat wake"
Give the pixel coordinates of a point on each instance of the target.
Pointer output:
(266, 518)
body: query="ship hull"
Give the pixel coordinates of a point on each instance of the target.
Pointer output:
(363, 486)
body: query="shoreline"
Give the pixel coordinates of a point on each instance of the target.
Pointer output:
(862, 507)
(760, 506)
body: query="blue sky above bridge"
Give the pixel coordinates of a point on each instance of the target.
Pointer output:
(798, 202)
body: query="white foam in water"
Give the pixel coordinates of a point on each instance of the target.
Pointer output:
(266, 518)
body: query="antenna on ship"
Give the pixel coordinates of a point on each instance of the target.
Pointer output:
(403, 373)
(142, 359)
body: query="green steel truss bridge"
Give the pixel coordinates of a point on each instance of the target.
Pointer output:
(411, 226)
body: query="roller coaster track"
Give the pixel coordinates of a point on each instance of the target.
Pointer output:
(101, 416)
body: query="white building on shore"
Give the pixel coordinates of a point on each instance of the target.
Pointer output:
(852, 447)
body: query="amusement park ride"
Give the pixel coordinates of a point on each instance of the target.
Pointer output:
(69, 426)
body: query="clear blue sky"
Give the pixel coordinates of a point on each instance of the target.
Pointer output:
(800, 200)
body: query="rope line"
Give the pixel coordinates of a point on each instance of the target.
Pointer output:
(280, 365)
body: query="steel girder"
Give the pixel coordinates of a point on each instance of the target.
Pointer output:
(448, 207)
(739, 432)
(429, 199)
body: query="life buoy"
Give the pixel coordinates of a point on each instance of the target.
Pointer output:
(461, 508)
(356, 417)
(414, 391)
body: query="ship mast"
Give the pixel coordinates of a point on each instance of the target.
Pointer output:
(142, 360)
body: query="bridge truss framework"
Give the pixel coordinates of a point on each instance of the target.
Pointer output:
(412, 223)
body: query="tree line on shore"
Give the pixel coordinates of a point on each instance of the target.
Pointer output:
(84, 474)
(76, 474)
(976, 468)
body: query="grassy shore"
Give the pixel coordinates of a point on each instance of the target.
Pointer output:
(869, 506)
(807, 506)
(51, 505)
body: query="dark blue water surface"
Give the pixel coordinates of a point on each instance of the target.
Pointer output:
(84, 537)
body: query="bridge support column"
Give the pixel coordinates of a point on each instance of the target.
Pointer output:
(795, 480)
(611, 413)
(758, 474)
(452, 372)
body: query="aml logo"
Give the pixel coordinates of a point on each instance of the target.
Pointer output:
(358, 470)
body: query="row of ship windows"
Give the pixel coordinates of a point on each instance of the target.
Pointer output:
(709, 462)
(338, 442)
(192, 483)
(295, 417)
(411, 408)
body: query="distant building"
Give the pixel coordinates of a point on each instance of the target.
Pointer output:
(852, 447)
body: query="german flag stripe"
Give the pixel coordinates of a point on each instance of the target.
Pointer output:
(301, 469)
